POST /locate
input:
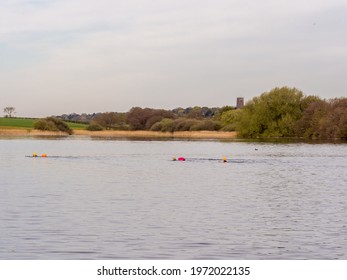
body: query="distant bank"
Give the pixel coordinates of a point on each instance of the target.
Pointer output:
(123, 134)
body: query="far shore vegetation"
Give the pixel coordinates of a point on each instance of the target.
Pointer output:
(280, 113)
(30, 123)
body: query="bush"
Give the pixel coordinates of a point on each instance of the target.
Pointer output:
(52, 124)
(152, 120)
(44, 125)
(229, 127)
(156, 127)
(167, 125)
(184, 124)
(206, 125)
(94, 127)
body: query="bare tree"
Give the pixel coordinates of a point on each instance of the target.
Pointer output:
(9, 111)
(111, 120)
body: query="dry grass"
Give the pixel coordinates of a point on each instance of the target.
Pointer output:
(123, 134)
(205, 134)
(29, 132)
(156, 134)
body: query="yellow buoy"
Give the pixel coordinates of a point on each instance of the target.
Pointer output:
(34, 154)
(225, 159)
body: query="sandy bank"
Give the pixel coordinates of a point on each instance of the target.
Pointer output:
(124, 134)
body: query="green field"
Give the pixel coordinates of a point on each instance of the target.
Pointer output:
(17, 123)
(26, 123)
(77, 126)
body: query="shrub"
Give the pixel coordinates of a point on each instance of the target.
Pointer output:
(206, 125)
(41, 125)
(229, 127)
(184, 124)
(167, 125)
(94, 127)
(152, 120)
(156, 127)
(52, 124)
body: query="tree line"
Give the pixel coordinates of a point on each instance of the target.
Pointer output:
(137, 118)
(287, 112)
(281, 112)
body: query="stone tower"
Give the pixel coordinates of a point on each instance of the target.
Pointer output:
(240, 102)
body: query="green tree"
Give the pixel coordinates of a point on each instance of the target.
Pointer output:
(272, 114)
(221, 111)
(230, 119)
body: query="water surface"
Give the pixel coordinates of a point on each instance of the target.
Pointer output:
(104, 199)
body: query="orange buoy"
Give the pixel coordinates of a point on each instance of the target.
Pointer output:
(43, 155)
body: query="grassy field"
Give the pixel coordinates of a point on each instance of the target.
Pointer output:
(77, 126)
(16, 123)
(24, 123)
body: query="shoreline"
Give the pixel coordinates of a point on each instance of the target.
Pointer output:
(121, 134)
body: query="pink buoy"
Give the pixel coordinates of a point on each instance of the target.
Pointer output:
(181, 159)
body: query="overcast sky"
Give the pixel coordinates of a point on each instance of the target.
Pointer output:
(64, 56)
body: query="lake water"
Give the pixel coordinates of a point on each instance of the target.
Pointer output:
(121, 199)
